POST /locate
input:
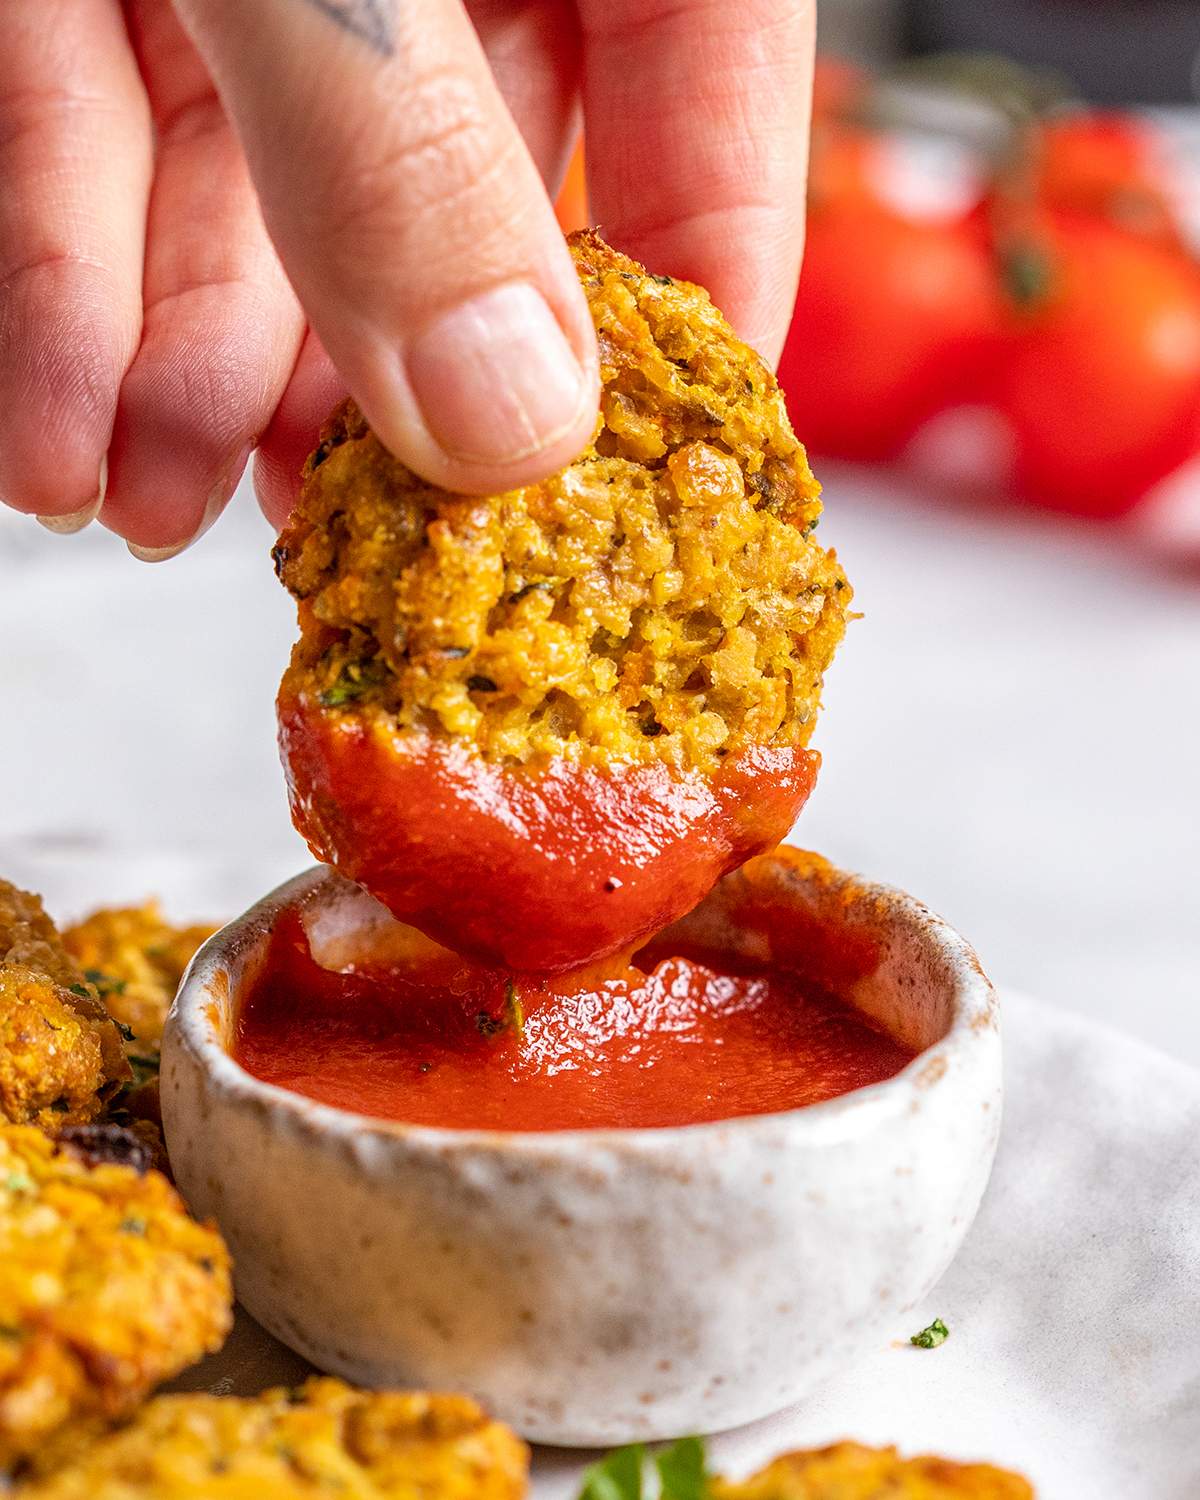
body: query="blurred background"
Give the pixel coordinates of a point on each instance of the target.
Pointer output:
(996, 364)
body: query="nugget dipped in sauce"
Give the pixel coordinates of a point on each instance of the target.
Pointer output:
(541, 725)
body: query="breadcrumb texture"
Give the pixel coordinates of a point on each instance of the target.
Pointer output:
(52, 1063)
(61, 1056)
(661, 598)
(107, 1288)
(323, 1440)
(136, 959)
(848, 1471)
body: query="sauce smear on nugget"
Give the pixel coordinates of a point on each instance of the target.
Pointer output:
(541, 725)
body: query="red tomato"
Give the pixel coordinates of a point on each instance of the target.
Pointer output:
(1107, 165)
(1100, 379)
(895, 319)
(838, 86)
(844, 165)
(536, 870)
(571, 206)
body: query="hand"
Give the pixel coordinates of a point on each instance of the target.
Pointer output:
(199, 201)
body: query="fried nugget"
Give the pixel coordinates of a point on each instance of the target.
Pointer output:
(323, 1439)
(136, 959)
(54, 1069)
(30, 940)
(107, 1288)
(61, 1055)
(663, 598)
(848, 1471)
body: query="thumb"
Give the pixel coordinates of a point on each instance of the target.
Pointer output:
(414, 226)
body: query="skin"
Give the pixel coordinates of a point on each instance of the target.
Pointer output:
(201, 199)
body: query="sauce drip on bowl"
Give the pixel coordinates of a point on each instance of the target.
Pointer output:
(668, 1039)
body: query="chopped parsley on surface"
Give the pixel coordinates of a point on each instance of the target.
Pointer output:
(682, 1473)
(929, 1338)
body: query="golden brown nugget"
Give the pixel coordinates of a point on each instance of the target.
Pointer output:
(58, 1065)
(662, 598)
(107, 1288)
(136, 959)
(30, 940)
(61, 1054)
(612, 675)
(324, 1439)
(848, 1471)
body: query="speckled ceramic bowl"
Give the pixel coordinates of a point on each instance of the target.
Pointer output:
(595, 1287)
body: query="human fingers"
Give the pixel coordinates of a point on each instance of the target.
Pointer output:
(313, 391)
(415, 227)
(75, 161)
(221, 325)
(696, 123)
(533, 52)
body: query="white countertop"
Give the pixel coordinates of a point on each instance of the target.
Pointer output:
(1011, 732)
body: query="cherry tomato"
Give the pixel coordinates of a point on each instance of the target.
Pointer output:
(844, 166)
(1108, 165)
(1100, 379)
(571, 206)
(838, 86)
(538, 870)
(895, 319)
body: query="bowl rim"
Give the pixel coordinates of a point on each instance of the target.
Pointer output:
(189, 1026)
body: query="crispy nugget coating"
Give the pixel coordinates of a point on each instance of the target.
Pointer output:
(662, 598)
(848, 1471)
(137, 959)
(107, 1288)
(30, 940)
(61, 1055)
(324, 1439)
(52, 1064)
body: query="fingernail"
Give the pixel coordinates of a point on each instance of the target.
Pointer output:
(73, 521)
(157, 554)
(161, 554)
(218, 498)
(76, 520)
(495, 378)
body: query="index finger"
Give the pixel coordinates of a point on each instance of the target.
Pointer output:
(696, 125)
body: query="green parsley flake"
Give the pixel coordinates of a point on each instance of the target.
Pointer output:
(355, 682)
(617, 1477)
(105, 983)
(682, 1473)
(929, 1338)
(682, 1470)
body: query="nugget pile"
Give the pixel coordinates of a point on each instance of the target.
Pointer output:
(61, 1053)
(321, 1440)
(136, 959)
(662, 598)
(107, 1288)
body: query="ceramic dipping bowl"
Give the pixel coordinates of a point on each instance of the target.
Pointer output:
(597, 1287)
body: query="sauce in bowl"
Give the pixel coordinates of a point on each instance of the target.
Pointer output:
(667, 1038)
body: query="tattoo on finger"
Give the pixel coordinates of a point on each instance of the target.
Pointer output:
(372, 20)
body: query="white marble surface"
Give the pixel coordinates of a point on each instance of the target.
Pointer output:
(1012, 733)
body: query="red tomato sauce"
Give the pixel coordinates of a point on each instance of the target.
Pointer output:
(433, 1039)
